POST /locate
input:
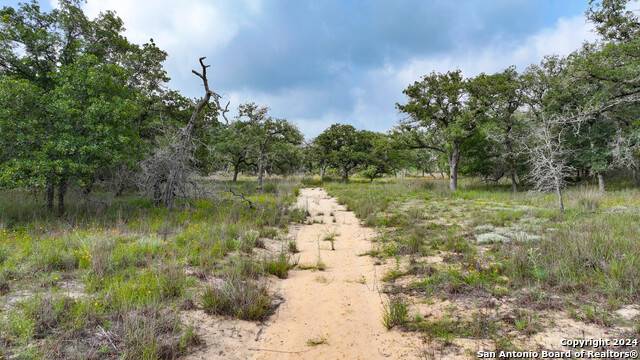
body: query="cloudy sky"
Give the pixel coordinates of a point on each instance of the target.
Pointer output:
(321, 62)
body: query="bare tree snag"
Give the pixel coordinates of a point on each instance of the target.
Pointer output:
(177, 174)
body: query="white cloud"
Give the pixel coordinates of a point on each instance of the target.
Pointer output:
(383, 86)
(186, 29)
(566, 36)
(178, 25)
(192, 28)
(377, 91)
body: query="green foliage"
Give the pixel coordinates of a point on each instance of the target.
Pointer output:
(266, 142)
(344, 148)
(130, 269)
(279, 265)
(394, 313)
(71, 91)
(444, 111)
(385, 155)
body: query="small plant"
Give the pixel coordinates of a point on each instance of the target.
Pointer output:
(245, 300)
(394, 313)
(320, 265)
(190, 338)
(249, 241)
(414, 243)
(293, 247)
(320, 340)
(278, 266)
(526, 323)
(331, 237)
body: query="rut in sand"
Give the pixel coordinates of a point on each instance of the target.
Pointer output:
(341, 307)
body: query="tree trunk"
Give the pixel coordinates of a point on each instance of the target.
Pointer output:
(322, 171)
(50, 193)
(454, 161)
(236, 169)
(87, 189)
(260, 168)
(345, 174)
(176, 173)
(600, 181)
(559, 193)
(157, 193)
(636, 178)
(62, 190)
(121, 189)
(514, 184)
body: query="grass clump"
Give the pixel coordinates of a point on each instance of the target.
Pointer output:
(243, 299)
(279, 265)
(292, 246)
(394, 313)
(320, 340)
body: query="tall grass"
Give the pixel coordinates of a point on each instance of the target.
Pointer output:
(593, 251)
(128, 268)
(394, 312)
(244, 299)
(595, 255)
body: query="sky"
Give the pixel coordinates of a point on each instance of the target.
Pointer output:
(343, 61)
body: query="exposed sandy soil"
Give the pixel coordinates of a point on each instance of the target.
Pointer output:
(342, 304)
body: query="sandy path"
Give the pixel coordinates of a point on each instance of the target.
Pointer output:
(341, 304)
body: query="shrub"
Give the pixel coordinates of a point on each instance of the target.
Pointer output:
(244, 300)
(278, 266)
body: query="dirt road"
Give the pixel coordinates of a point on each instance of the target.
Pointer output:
(341, 307)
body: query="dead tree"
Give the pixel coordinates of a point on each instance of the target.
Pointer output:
(549, 169)
(177, 173)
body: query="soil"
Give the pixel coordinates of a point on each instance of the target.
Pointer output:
(340, 307)
(342, 304)
(337, 313)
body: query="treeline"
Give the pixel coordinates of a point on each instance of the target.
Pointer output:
(80, 105)
(564, 120)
